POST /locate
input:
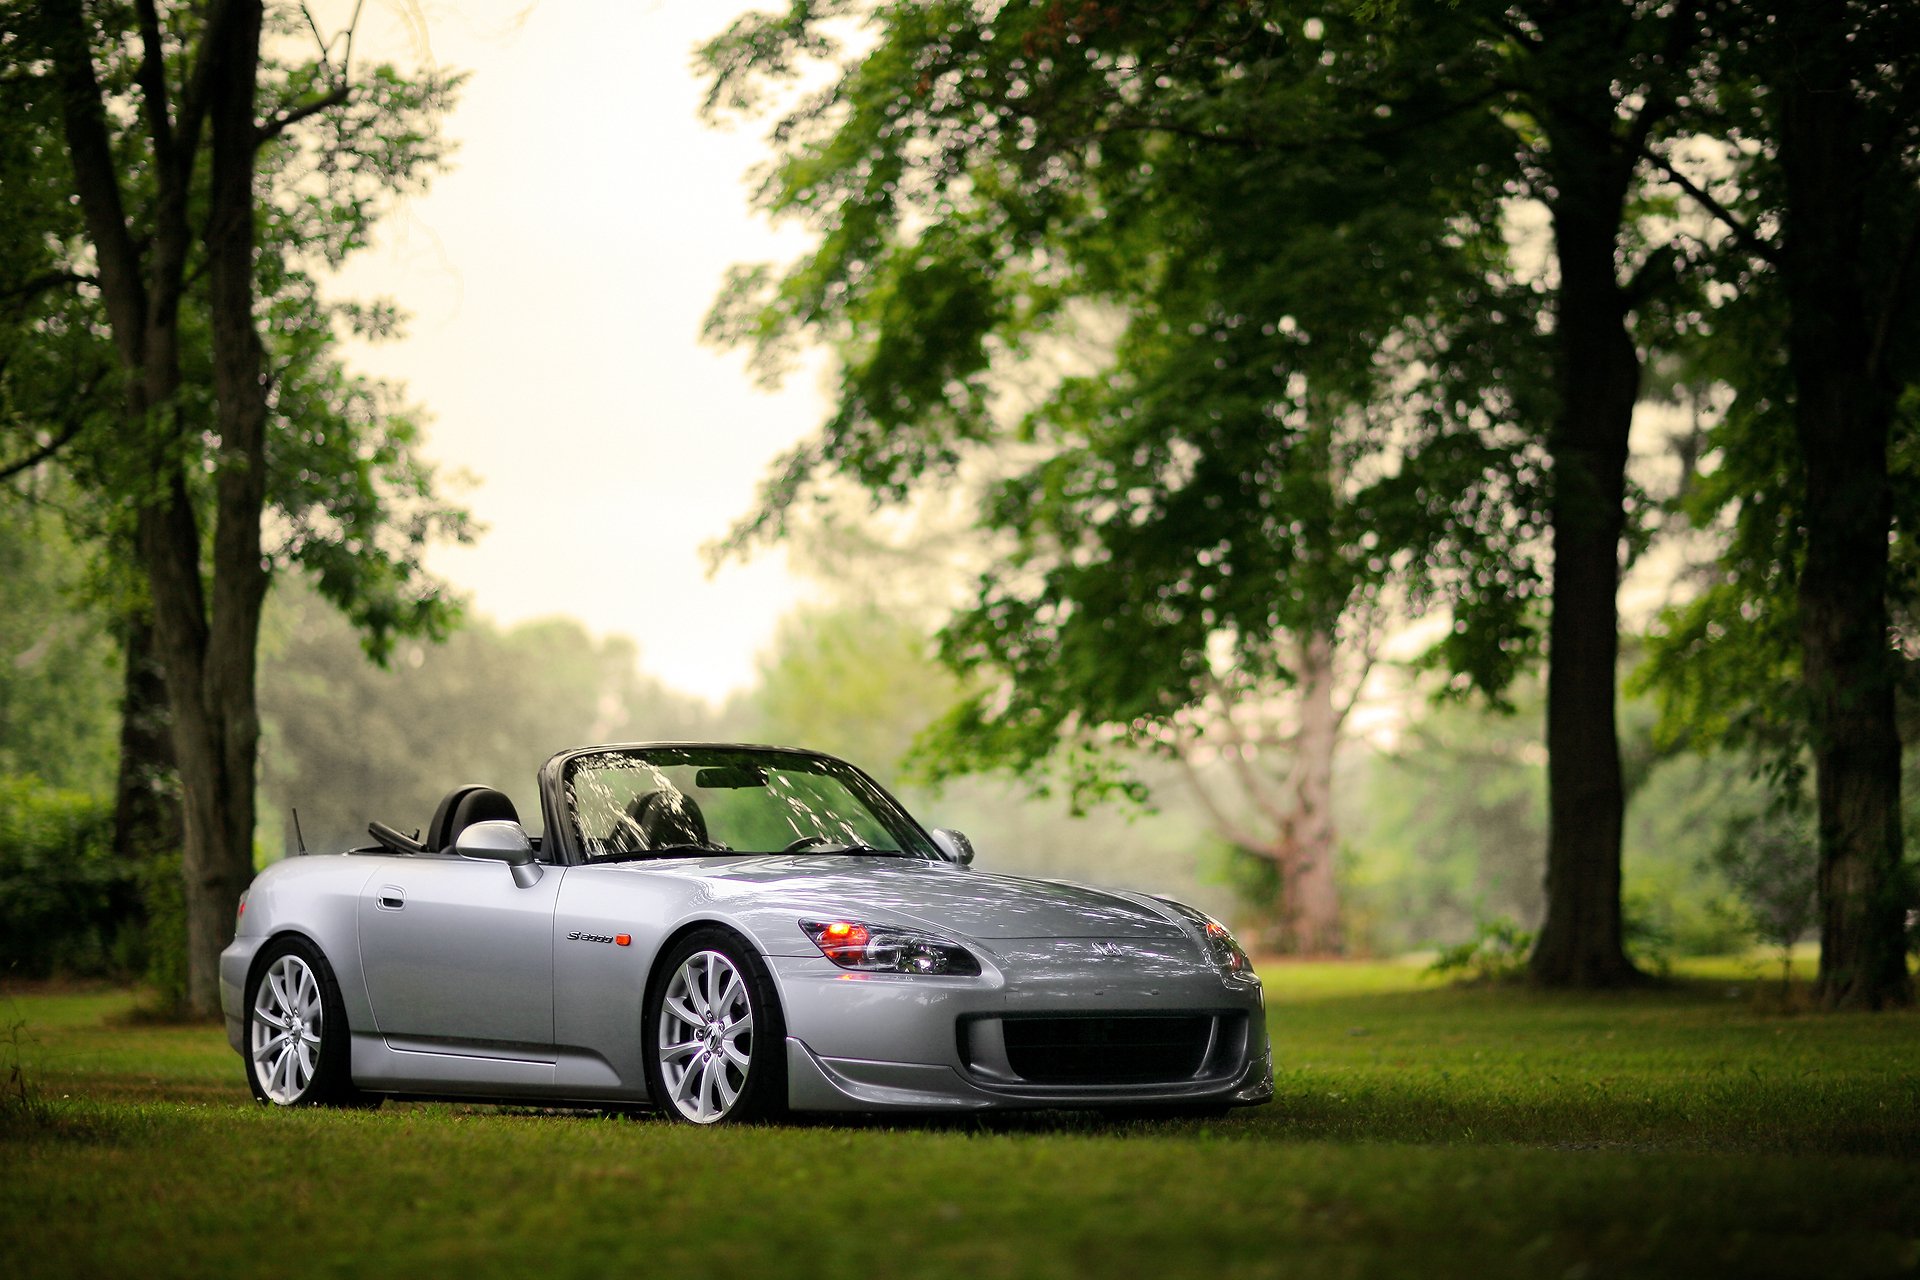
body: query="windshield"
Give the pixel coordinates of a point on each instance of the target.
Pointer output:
(675, 801)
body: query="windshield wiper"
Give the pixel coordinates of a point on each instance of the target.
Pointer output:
(663, 851)
(855, 849)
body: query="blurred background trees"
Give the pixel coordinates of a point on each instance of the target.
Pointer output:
(1244, 419)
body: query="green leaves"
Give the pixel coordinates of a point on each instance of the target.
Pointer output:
(351, 500)
(1159, 271)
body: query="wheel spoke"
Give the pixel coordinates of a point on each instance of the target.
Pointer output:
(736, 1057)
(729, 1092)
(684, 1085)
(729, 990)
(679, 1008)
(709, 1105)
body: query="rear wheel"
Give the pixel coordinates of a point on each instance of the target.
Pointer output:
(296, 1032)
(715, 1037)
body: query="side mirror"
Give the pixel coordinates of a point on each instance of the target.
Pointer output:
(501, 842)
(956, 846)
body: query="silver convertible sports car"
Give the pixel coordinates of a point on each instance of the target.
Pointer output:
(725, 933)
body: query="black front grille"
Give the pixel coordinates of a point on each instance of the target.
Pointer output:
(1125, 1050)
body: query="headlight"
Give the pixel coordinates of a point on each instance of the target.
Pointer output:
(883, 949)
(1222, 948)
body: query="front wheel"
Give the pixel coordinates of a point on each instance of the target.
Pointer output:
(296, 1032)
(716, 1039)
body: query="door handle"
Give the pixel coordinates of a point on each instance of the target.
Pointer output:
(390, 898)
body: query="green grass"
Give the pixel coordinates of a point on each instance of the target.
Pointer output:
(1419, 1130)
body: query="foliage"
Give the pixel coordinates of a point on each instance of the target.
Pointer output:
(59, 659)
(1771, 859)
(1446, 829)
(1109, 207)
(353, 503)
(22, 1108)
(1497, 952)
(67, 903)
(165, 972)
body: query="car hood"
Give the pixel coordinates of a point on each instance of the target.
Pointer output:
(939, 896)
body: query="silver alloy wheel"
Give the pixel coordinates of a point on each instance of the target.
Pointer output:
(706, 1036)
(287, 1017)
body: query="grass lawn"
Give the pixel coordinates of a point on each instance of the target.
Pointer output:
(1419, 1130)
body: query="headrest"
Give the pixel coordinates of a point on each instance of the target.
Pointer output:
(464, 806)
(665, 818)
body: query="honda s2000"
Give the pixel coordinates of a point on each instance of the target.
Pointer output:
(725, 933)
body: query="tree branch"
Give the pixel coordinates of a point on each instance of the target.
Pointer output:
(153, 84)
(33, 286)
(1759, 248)
(1250, 781)
(273, 128)
(45, 451)
(193, 100)
(318, 39)
(1344, 708)
(1224, 825)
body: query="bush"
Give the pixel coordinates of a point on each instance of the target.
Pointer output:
(165, 938)
(1772, 860)
(68, 903)
(1497, 952)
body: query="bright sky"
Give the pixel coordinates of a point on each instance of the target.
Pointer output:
(558, 277)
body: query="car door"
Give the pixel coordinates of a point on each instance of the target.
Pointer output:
(458, 956)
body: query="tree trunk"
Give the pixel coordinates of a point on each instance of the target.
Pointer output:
(1597, 372)
(220, 776)
(1843, 409)
(146, 803)
(1310, 896)
(207, 655)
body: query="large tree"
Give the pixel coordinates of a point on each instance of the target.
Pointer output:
(1294, 204)
(1848, 126)
(203, 201)
(1816, 185)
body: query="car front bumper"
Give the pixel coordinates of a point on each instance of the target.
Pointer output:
(882, 1042)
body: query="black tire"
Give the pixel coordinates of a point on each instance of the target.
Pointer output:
(290, 977)
(697, 1049)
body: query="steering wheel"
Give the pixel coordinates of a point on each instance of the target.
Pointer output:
(806, 842)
